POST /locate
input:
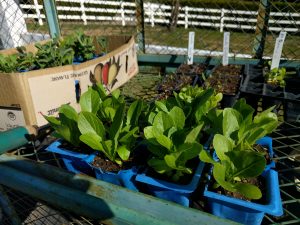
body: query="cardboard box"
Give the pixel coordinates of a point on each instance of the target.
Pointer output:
(24, 97)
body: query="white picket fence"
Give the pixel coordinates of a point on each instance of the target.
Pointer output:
(124, 13)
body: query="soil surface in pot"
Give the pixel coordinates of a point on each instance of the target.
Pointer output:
(258, 181)
(225, 79)
(105, 164)
(196, 69)
(173, 82)
(138, 157)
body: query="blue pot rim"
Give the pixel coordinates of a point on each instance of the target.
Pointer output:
(188, 188)
(273, 206)
(54, 147)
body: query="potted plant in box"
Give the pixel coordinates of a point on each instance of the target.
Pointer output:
(245, 131)
(104, 126)
(172, 146)
(82, 45)
(236, 165)
(173, 140)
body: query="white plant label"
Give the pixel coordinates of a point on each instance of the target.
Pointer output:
(226, 42)
(191, 48)
(277, 53)
(11, 118)
(282, 35)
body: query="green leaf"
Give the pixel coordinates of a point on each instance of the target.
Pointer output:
(178, 117)
(109, 150)
(206, 157)
(219, 173)
(134, 113)
(159, 165)
(68, 130)
(161, 106)
(125, 139)
(222, 145)
(101, 91)
(245, 110)
(231, 121)
(162, 121)
(117, 122)
(246, 163)
(90, 101)
(194, 134)
(123, 152)
(92, 140)
(52, 121)
(89, 123)
(116, 94)
(266, 120)
(163, 140)
(69, 112)
(248, 190)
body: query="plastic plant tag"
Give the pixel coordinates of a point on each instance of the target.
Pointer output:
(282, 35)
(191, 48)
(226, 41)
(278, 50)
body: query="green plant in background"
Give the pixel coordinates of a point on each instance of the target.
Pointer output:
(81, 44)
(53, 54)
(170, 142)
(196, 102)
(276, 76)
(26, 60)
(9, 63)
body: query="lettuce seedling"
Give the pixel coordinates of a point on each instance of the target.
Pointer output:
(233, 166)
(117, 140)
(66, 125)
(197, 102)
(171, 144)
(238, 124)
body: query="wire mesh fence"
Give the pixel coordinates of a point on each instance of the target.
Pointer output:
(21, 22)
(167, 23)
(209, 19)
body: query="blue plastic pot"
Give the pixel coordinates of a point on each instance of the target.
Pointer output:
(171, 191)
(243, 211)
(75, 162)
(78, 60)
(82, 163)
(267, 142)
(124, 178)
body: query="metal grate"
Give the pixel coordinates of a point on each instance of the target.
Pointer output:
(286, 145)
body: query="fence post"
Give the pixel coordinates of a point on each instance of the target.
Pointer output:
(222, 20)
(38, 12)
(123, 13)
(52, 18)
(83, 16)
(140, 25)
(186, 17)
(262, 26)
